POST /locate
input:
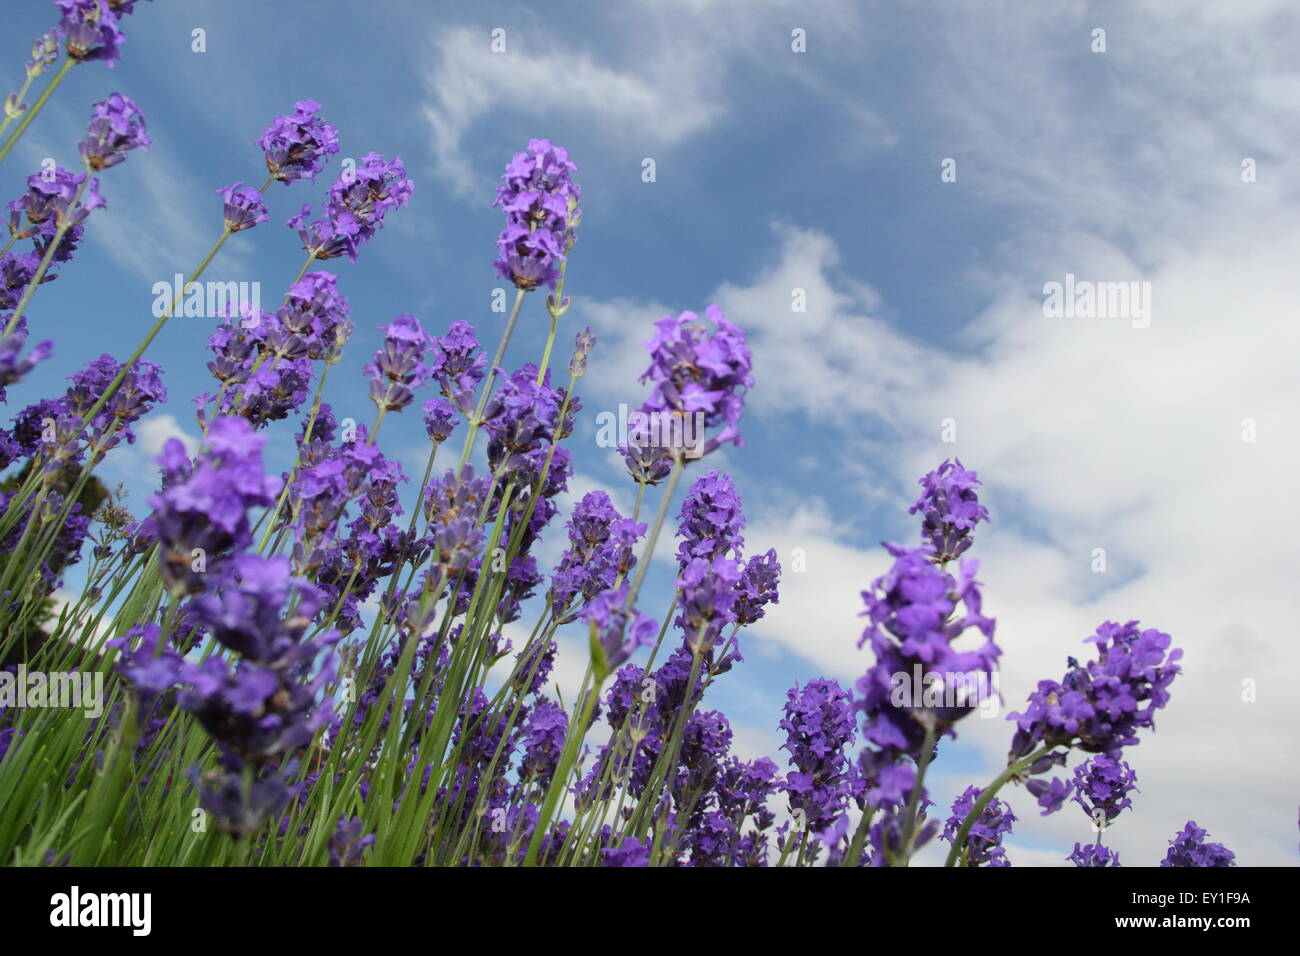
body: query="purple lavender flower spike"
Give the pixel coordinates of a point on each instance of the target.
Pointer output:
(950, 509)
(1099, 707)
(204, 514)
(1093, 855)
(347, 845)
(243, 207)
(1190, 848)
(541, 206)
(399, 366)
(1102, 786)
(711, 520)
(13, 364)
(116, 127)
(819, 728)
(357, 204)
(297, 146)
(439, 419)
(984, 840)
(699, 372)
(617, 632)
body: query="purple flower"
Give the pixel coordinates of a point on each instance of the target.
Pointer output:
(921, 678)
(116, 126)
(13, 364)
(541, 206)
(151, 671)
(819, 729)
(757, 587)
(1099, 707)
(616, 631)
(297, 146)
(347, 845)
(1102, 786)
(983, 845)
(203, 515)
(439, 420)
(89, 27)
(601, 544)
(700, 371)
(631, 852)
(317, 314)
(950, 509)
(399, 366)
(244, 207)
(1189, 848)
(459, 365)
(711, 520)
(708, 591)
(543, 739)
(355, 209)
(1093, 855)
(39, 212)
(1051, 795)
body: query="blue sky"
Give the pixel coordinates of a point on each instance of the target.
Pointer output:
(820, 171)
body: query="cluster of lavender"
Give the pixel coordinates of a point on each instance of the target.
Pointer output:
(333, 675)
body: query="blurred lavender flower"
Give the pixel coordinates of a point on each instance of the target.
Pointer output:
(89, 27)
(347, 845)
(13, 364)
(202, 513)
(45, 50)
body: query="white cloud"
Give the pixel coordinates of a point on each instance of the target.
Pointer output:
(661, 100)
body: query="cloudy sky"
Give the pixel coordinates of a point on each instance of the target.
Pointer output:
(921, 176)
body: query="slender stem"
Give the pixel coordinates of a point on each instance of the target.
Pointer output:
(914, 801)
(477, 420)
(546, 354)
(30, 115)
(652, 538)
(1012, 770)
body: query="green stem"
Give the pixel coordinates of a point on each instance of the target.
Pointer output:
(1012, 770)
(477, 420)
(652, 538)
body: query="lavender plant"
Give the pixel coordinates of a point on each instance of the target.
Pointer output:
(318, 678)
